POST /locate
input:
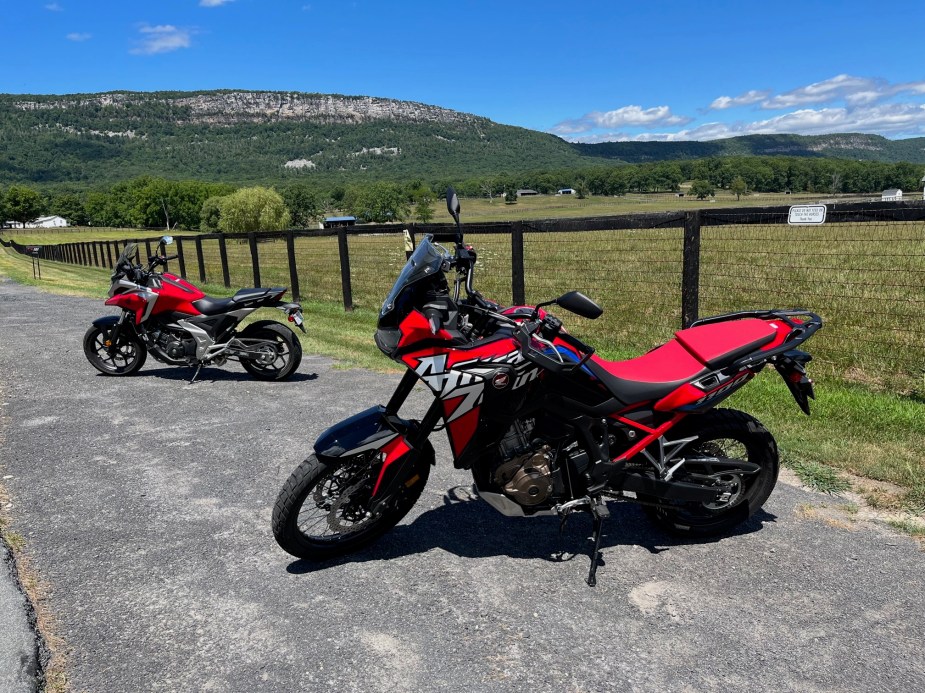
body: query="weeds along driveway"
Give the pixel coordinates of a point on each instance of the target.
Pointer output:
(145, 506)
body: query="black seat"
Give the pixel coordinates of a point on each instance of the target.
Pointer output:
(213, 306)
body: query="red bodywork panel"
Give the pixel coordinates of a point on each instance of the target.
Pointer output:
(133, 302)
(171, 298)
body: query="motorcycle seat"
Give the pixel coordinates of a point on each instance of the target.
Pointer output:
(692, 353)
(213, 306)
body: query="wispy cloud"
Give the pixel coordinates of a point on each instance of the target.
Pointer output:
(162, 38)
(844, 103)
(627, 116)
(78, 36)
(746, 99)
(213, 3)
(54, 7)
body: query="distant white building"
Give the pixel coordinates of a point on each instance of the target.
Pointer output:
(525, 192)
(566, 191)
(891, 195)
(50, 222)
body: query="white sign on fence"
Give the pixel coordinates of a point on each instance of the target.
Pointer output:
(802, 215)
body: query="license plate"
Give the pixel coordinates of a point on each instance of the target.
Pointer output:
(297, 318)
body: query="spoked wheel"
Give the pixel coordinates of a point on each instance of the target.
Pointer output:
(324, 508)
(732, 435)
(128, 356)
(275, 351)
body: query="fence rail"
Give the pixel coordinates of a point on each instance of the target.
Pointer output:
(863, 271)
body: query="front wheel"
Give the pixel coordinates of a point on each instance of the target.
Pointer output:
(275, 352)
(324, 509)
(729, 434)
(126, 358)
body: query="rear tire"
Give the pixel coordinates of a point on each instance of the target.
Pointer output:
(279, 357)
(315, 519)
(128, 358)
(722, 433)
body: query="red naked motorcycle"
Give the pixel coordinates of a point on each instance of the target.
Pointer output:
(545, 425)
(179, 325)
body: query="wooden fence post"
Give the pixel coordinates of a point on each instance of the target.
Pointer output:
(255, 260)
(180, 258)
(345, 268)
(518, 291)
(108, 252)
(223, 253)
(202, 262)
(690, 272)
(293, 270)
(148, 250)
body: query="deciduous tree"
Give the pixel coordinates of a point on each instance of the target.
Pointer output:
(23, 204)
(253, 209)
(702, 189)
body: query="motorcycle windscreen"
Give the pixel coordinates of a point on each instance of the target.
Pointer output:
(426, 261)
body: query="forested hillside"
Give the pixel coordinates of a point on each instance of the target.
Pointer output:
(245, 137)
(85, 141)
(858, 147)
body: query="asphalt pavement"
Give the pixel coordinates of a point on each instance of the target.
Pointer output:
(145, 503)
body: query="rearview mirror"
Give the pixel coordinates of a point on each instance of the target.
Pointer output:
(452, 204)
(579, 304)
(166, 240)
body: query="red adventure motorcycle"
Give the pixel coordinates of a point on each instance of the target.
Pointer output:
(181, 326)
(545, 425)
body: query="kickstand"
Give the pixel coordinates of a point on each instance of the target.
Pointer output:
(600, 512)
(196, 374)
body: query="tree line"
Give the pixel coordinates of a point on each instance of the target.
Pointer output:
(148, 201)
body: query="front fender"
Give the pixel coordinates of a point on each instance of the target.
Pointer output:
(109, 321)
(371, 429)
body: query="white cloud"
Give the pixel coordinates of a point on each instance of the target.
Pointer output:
(854, 91)
(78, 36)
(213, 3)
(627, 116)
(54, 7)
(162, 38)
(885, 119)
(746, 99)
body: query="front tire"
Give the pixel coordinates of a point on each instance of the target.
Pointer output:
(127, 358)
(279, 354)
(722, 433)
(321, 512)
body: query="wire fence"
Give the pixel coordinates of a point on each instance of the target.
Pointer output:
(863, 270)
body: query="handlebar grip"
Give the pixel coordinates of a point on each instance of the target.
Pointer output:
(171, 257)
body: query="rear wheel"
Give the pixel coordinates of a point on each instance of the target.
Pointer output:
(275, 351)
(126, 358)
(323, 510)
(722, 433)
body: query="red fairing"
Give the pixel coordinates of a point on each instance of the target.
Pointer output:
(415, 328)
(176, 295)
(132, 302)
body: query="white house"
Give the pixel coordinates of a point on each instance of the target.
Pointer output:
(891, 195)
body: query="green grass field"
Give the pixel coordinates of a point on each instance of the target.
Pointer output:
(858, 425)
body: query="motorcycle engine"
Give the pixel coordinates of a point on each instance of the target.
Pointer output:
(525, 469)
(175, 345)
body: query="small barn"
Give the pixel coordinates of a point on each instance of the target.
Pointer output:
(335, 222)
(526, 192)
(49, 222)
(891, 195)
(566, 191)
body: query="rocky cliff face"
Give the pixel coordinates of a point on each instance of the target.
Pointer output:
(231, 107)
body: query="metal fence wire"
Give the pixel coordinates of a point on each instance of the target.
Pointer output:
(863, 270)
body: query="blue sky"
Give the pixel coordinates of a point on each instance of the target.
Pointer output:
(589, 71)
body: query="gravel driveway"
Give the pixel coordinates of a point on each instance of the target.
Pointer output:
(145, 506)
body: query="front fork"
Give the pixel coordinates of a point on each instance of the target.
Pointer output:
(113, 347)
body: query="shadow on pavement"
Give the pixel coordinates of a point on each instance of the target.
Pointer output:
(470, 528)
(210, 375)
